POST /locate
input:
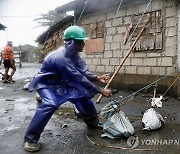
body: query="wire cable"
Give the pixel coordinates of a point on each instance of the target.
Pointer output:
(86, 2)
(149, 85)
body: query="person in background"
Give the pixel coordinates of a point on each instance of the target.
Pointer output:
(9, 62)
(1, 57)
(64, 77)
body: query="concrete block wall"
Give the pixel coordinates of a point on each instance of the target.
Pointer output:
(138, 63)
(178, 48)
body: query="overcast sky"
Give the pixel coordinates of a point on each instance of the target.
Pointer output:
(18, 15)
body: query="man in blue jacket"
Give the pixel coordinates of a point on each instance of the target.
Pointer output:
(64, 77)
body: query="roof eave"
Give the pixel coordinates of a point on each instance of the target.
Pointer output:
(44, 36)
(2, 27)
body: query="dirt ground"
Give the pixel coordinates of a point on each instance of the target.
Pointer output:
(67, 134)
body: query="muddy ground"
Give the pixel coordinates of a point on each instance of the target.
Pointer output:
(67, 134)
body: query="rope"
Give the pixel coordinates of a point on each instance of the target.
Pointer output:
(119, 6)
(150, 85)
(86, 2)
(155, 86)
(171, 85)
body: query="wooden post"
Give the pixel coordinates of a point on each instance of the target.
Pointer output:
(121, 64)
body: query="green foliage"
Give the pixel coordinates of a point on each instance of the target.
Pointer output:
(49, 19)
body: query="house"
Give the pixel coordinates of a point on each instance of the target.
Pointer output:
(53, 37)
(113, 26)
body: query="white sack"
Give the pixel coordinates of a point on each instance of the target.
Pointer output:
(117, 126)
(152, 120)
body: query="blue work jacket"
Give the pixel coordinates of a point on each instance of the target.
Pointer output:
(65, 72)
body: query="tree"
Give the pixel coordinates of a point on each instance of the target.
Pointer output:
(49, 19)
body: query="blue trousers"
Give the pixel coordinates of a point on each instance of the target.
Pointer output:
(50, 102)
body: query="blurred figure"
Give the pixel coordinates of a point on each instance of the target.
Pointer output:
(9, 62)
(1, 57)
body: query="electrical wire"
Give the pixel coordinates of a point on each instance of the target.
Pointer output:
(86, 2)
(19, 16)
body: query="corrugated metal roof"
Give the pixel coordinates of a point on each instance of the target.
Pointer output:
(47, 34)
(96, 5)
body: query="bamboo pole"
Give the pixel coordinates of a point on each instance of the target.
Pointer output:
(121, 64)
(171, 85)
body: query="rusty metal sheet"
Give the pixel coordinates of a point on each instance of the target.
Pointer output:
(94, 45)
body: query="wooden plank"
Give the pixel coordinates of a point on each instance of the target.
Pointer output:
(158, 43)
(152, 37)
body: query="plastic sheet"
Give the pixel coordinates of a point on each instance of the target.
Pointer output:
(152, 120)
(117, 126)
(156, 102)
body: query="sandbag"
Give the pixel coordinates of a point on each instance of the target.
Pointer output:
(152, 120)
(117, 126)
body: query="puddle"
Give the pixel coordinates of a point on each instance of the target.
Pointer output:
(1, 88)
(22, 99)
